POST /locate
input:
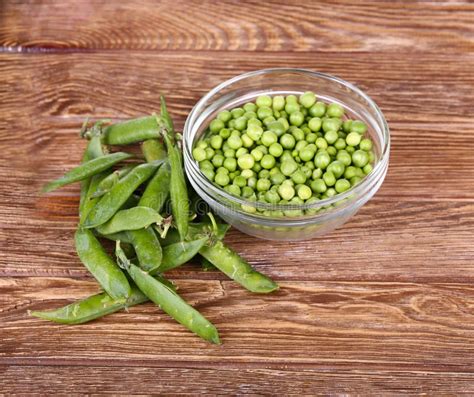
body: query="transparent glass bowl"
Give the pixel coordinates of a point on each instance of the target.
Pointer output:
(324, 215)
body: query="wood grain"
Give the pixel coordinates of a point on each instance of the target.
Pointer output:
(382, 306)
(238, 25)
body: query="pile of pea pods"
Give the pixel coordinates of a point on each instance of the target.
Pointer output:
(146, 208)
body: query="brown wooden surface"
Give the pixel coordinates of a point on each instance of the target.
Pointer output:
(384, 305)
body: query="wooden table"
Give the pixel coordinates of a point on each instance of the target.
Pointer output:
(383, 305)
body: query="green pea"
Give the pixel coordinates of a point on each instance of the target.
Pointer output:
(317, 173)
(291, 107)
(331, 137)
(224, 116)
(360, 158)
(314, 124)
(229, 153)
(269, 138)
(247, 141)
(277, 127)
(296, 118)
(286, 191)
(342, 185)
(230, 164)
(278, 102)
(322, 160)
(308, 99)
(335, 110)
(304, 192)
(233, 189)
(234, 142)
(332, 151)
(355, 180)
(246, 161)
(371, 156)
(321, 143)
(216, 125)
(257, 154)
(311, 137)
(268, 161)
(268, 120)
(367, 169)
(237, 112)
(217, 160)
(246, 191)
(254, 131)
(366, 144)
(346, 126)
(288, 167)
(318, 186)
(337, 168)
(275, 149)
(277, 178)
(252, 182)
(199, 154)
(209, 173)
(344, 157)
(222, 179)
(241, 123)
(247, 174)
(331, 192)
(340, 144)
(350, 149)
(284, 123)
(329, 178)
(272, 197)
(298, 134)
(264, 101)
(287, 141)
(307, 154)
(264, 112)
(359, 126)
(298, 177)
(241, 151)
(263, 185)
(353, 139)
(331, 124)
(224, 133)
(231, 124)
(317, 110)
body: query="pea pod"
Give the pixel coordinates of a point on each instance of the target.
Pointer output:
(157, 189)
(101, 266)
(91, 308)
(95, 306)
(111, 202)
(147, 247)
(235, 267)
(130, 219)
(132, 131)
(169, 301)
(153, 149)
(177, 254)
(89, 201)
(109, 182)
(86, 170)
(165, 116)
(93, 150)
(178, 189)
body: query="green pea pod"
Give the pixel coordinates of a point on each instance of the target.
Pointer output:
(132, 131)
(95, 306)
(91, 308)
(165, 116)
(178, 189)
(93, 150)
(169, 301)
(110, 181)
(235, 267)
(196, 230)
(177, 254)
(101, 266)
(89, 201)
(147, 247)
(157, 189)
(86, 170)
(120, 236)
(111, 202)
(130, 219)
(153, 149)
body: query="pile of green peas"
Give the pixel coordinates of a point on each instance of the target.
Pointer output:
(285, 150)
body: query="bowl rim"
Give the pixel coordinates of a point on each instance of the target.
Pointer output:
(368, 180)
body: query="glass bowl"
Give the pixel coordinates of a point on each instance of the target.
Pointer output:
(320, 217)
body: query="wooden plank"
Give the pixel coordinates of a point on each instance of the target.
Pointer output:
(363, 325)
(122, 85)
(226, 380)
(341, 26)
